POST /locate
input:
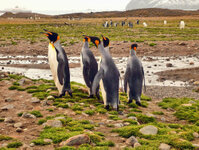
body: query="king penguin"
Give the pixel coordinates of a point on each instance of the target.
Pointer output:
(134, 76)
(89, 66)
(109, 74)
(58, 64)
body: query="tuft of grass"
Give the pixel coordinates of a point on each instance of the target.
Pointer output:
(20, 114)
(40, 142)
(36, 113)
(90, 112)
(14, 145)
(41, 121)
(4, 138)
(158, 113)
(106, 143)
(152, 44)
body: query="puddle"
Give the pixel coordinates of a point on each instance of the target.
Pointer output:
(151, 65)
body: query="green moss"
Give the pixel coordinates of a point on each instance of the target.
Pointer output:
(40, 142)
(90, 112)
(4, 138)
(133, 105)
(101, 110)
(41, 121)
(152, 44)
(66, 148)
(63, 105)
(2, 119)
(14, 145)
(36, 113)
(143, 119)
(114, 117)
(76, 107)
(16, 83)
(158, 113)
(13, 87)
(113, 112)
(94, 138)
(106, 143)
(14, 76)
(20, 114)
(187, 135)
(31, 87)
(50, 109)
(174, 126)
(133, 122)
(145, 98)
(135, 110)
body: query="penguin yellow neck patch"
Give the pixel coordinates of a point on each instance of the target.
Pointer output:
(52, 45)
(97, 42)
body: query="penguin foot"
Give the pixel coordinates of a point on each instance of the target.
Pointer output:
(90, 96)
(70, 93)
(98, 96)
(107, 107)
(61, 95)
(138, 103)
(130, 101)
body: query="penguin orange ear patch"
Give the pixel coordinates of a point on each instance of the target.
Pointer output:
(134, 48)
(97, 42)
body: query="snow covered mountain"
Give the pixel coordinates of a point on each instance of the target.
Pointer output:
(169, 4)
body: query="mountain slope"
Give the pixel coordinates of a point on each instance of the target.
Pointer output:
(169, 4)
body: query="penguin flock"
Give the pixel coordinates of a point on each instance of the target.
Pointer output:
(102, 77)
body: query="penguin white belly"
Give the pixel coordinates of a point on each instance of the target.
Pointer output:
(103, 92)
(52, 58)
(128, 91)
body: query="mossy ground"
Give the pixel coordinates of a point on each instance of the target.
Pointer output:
(89, 116)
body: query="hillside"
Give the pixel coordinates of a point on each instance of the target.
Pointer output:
(148, 12)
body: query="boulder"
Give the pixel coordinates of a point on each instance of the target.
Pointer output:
(131, 141)
(53, 123)
(28, 115)
(164, 146)
(7, 107)
(76, 140)
(149, 130)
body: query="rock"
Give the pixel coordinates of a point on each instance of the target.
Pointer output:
(50, 98)
(137, 145)
(192, 102)
(131, 141)
(48, 141)
(182, 43)
(101, 123)
(19, 130)
(7, 107)
(187, 105)
(25, 147)
(191, 63)
(169, 65)
(196, 146)
(32, 144)
(196, 83)
(164, 146)
(76, 140)
(126, 124)
(9, 100)
(149, 130)
(118, 125)
(9, 120)
(196, 135)
(35, 100)
(163, 119)
(28, 115)
(150, 115)
(18, 125)
(84, 114)
(53, 123)
(133, 118)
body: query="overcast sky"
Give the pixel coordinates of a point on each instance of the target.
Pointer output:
(61, 6)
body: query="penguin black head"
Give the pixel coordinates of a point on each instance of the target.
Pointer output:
(134, 46)
(95, 40)
(106, 41)
(86, 38)
(53, 37)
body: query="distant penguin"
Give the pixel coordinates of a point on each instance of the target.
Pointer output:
(182, 24)
(58, 64)
(134, 76)
(110, 76)
(89, 66)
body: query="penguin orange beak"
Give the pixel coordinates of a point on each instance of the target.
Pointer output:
(47, 33)
(104, 37)
(89, 39)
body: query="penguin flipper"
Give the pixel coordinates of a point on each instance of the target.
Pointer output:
(126, 76)
(97, 79)
(144, 79)
(86, 75)
(60, 71)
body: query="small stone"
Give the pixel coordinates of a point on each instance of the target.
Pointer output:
(19, 130)
(8, 100)
(191, 63)
(18, 125)
(149, 130)
(196, 83)
(131, 141)
(150, 115)
(163, 119)
(32, 144)
(50, 98)
(76, 140)
(192, 102)
(48, 141)
(28, 115)
(53, 123)
(133, 118)
(196, 135)
(182, 43)
(101, 123)
(169, 65)
(126, 124)
(118, 125)
(7, 107)
(9, 120)
(164, 146)
(84, 114)
(35, 100)
(137, 145)
(196, 146)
